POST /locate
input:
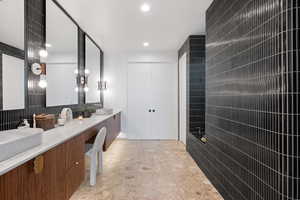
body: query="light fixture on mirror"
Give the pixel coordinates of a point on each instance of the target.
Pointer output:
(86, 88)
(43, 53)
(82, 80)
(40, 70)
(48, 45)
(87, 72)
(102, 85)
(43, 81)
(146, 44)
(145, 7)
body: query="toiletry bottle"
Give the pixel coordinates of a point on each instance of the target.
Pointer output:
(34, 121)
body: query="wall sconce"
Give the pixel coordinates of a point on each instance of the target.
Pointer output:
(40, 70)
(43, 53)
(102, 85)
(82, 80)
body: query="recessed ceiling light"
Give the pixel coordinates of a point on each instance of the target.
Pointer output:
(146, 44)
(145, 7)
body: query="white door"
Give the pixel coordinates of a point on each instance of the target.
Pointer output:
(152, 101)
(182, 98)
(139, 117)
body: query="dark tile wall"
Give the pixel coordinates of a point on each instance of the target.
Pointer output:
(194, 47)
(34, 41)
(1, 83)
(252, 100)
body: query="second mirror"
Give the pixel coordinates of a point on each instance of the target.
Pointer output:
(62, 59)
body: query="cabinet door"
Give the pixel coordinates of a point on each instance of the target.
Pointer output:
(75, 151)
(60, 172)
(75, 164)
(113, 126)
(74, 178)
(12, 184)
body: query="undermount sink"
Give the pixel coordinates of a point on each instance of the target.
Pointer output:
(13, 142)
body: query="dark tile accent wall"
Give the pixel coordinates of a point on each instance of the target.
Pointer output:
(194, 47)
(34, 41)
(252, 96)
(1, 83)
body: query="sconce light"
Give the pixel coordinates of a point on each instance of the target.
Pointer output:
(82, 80)
(102, 85)
(40, 70)
(43, 53)
(43, 81)
(86, 88)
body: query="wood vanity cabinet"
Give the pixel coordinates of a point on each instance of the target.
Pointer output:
(63, 171)
(62, 174)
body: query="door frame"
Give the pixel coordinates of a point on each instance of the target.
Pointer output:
(180, 97)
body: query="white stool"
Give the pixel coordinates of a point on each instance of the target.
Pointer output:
(95, 154)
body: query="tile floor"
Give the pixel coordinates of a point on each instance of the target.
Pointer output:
(148, 170)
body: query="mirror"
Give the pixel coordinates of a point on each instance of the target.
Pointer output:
(62, 59)
(92, 65)
(12, 68)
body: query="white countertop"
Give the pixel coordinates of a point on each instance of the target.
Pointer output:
(51, 139)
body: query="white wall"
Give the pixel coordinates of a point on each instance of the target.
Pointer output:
(115, 73)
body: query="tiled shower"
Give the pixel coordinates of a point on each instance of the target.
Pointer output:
(252, 100)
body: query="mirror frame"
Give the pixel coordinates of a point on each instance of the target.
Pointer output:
(101, 67)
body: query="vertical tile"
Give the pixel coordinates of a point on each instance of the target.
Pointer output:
(252, 105)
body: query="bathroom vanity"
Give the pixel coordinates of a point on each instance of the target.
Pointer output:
(55, 169)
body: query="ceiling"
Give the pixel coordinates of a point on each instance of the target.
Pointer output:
(119, 25)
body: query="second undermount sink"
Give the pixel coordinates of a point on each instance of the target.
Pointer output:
(13, 142)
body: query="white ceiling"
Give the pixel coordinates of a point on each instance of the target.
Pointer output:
(119, 25)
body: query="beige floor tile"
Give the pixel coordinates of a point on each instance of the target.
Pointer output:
(148, 170)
